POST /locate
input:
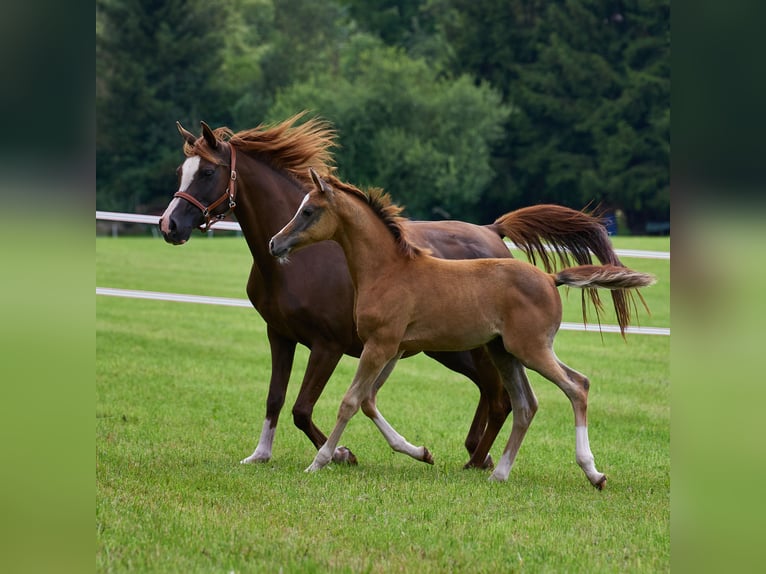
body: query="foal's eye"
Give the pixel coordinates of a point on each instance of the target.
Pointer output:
(307, 212)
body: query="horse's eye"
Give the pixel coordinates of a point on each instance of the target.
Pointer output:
(307, 212)
(208, 172)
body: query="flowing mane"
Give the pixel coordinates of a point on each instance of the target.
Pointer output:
(293, 149)
(388, 212)
(284, 146)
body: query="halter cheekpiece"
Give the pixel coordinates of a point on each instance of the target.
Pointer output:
(230, 194)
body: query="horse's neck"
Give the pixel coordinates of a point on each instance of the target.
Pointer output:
(266, 201)
(371, 251)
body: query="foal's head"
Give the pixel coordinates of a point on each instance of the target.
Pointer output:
(314, 221)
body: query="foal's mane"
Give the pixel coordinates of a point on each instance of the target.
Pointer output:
(384, 209)
(284, 146)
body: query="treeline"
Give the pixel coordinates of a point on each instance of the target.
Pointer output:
(458, 108)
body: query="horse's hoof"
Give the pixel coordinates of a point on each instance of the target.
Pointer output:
(486, 465)
(255, 459)
(494, 477)
(344, 456)
(313, 467)
(427, 457)
(601, 483)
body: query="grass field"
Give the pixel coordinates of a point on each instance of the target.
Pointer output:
(180, 395)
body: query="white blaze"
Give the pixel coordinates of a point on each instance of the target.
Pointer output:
(188, 171)
(305, 200)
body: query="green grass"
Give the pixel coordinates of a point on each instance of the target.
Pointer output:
(180, 395)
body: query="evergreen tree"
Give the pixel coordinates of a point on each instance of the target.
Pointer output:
(154, 64)
(403, 126)
(588, 83)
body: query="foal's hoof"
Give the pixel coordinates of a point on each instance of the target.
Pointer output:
(427, 457)
(344, 456)
(599, 485)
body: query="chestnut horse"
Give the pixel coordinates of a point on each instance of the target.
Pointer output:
(260, 175)
(408, 301)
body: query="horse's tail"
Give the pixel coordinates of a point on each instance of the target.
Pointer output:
(617, 278)
(553, 232)
(557, 234)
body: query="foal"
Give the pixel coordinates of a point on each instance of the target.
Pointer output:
(408, 301)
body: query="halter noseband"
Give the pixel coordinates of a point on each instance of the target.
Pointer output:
(230, 194)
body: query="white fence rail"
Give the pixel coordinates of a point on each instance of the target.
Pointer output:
(234, 226)
(230, 302)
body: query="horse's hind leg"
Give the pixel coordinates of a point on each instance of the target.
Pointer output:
(523, 401)
(583, 454)
(575, 386)
(498, 404)
(282, 354)
(322, 362)
(493, 407)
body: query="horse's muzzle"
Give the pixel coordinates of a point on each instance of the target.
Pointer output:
(171, 233)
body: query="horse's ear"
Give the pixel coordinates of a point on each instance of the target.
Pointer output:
(209, 136)
(319, 182)
(187, 135)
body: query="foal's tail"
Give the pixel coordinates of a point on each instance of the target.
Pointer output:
(603, 277)
(557, 234)
(612, 277)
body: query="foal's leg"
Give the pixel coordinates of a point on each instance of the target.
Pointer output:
(575, 386)
(394, 439)
(322, 362)
(371, 363)
(583, 454)
(282, 354)
(523, 400)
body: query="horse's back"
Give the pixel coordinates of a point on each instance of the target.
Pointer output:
(457, 240)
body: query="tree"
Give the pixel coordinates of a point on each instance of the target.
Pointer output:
(154, 63)
(589, 85)
(422, 136)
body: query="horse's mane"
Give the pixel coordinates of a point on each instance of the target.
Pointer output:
(293, 149)
(383, 207)
(284, 146)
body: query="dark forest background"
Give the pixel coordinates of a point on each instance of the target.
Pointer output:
(458, 108)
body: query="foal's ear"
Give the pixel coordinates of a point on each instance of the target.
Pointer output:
(187, 135)
(320, 183)
(207, 133)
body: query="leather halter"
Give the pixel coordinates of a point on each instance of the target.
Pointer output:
(230, 194)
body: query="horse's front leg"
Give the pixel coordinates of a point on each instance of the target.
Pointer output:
(282, 355)
(372, 363)
(396, 441)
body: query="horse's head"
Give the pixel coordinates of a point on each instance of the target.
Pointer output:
(314, 221)
(206, 186)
